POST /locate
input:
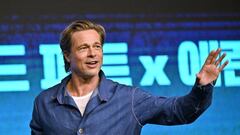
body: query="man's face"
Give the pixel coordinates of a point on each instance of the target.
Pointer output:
(86, 54)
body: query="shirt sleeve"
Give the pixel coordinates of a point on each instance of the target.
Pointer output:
(171, 111)
(35, 124)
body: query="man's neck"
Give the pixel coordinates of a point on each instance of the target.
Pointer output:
(79, 86)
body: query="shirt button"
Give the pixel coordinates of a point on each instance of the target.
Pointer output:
(80, 130)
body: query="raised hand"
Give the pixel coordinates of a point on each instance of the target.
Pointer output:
(211, 69)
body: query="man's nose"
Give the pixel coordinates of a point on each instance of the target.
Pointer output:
(91, 52)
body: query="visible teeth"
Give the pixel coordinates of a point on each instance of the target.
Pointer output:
(92, 62)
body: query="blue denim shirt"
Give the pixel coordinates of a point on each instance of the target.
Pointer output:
(116, 110)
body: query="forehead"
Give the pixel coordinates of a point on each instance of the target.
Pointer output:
(85, 36)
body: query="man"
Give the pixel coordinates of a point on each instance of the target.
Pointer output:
(85, 102)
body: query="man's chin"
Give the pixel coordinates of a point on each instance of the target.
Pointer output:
(87, 73)
(91, 74)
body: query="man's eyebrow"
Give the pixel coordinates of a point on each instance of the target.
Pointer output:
(97, 42)
(84, 44)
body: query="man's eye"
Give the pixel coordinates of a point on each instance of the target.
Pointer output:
(98, 46)
(82, 48)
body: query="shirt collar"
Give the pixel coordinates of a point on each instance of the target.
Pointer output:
(62, 94)
(105, 88)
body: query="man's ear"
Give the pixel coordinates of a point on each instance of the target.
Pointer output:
(67, 56)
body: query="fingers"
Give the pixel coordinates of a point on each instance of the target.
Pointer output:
(223, 66)
(209, 58)
(215, 55)
(220, 59)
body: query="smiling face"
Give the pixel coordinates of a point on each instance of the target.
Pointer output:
(86, 53)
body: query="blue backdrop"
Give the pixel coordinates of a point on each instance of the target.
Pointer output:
(160, 53)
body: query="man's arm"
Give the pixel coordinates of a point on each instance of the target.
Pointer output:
(180, 110)
(35, 124)
(171, 111)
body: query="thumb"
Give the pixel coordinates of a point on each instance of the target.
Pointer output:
(198, 75)
(199, 78)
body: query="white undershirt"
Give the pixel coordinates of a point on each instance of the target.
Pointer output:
(82, 101)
